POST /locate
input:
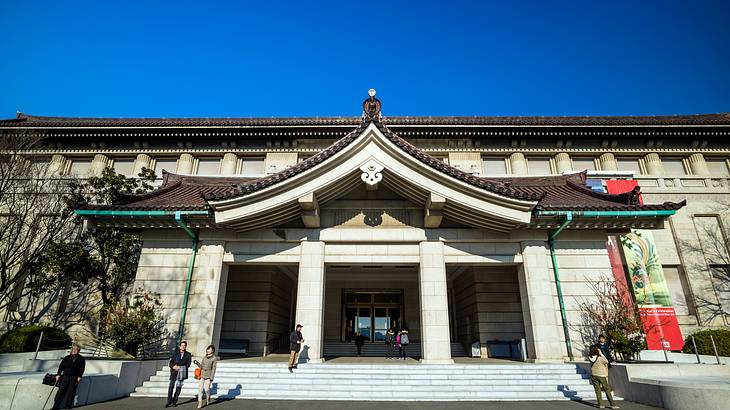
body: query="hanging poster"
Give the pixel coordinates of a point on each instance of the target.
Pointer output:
(650, 290)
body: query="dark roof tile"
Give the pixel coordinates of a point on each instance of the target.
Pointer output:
(25, 120)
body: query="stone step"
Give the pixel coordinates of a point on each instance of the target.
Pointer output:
(475, 365)
(160, 382)
(388, 378)
(332, 381)
(397, 373)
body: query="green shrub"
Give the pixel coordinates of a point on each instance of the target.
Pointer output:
(704, 344)
(25, 339)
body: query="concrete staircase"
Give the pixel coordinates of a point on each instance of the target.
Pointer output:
(387, 381)
(340, 349)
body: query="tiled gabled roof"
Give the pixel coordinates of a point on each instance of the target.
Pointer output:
(557, 192)
(26, 120)
(569, 193)
(177, 192)
(486, 184)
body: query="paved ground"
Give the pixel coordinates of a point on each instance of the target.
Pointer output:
(153, 403)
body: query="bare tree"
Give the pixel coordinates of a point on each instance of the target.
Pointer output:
(711, 253)
(612, 312)
(33, 213)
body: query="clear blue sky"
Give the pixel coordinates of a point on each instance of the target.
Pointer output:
(277, 58)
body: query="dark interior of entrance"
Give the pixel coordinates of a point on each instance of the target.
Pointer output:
(369, 313)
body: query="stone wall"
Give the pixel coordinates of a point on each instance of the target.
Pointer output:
(695, 239)
(582, 260)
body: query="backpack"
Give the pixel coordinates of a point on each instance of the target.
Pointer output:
(404, 339)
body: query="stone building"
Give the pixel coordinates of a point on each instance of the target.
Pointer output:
(440, 224)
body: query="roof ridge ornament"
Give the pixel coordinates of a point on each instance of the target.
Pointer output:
(371, 106)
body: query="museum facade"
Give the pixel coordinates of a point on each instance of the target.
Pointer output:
(462, 229)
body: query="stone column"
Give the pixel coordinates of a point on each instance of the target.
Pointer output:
(310, 301)
(653, 164)
(608, 162)
(435, 335)
(518, 164)
(98, 164)
(142, 161)
(228, 165)
(698, 165)
(57, 164)
(543, 327)
(562, 163)
(205, 305)
(185, 164)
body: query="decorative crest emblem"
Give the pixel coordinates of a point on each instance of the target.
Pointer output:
(371, 173)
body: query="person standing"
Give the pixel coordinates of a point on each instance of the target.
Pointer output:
(359, 341)
(208, 366)
(389, 343)
(295, 345)
(179, 364)
(68, 377)
(403, 342)
(599, 376)
(604, 348)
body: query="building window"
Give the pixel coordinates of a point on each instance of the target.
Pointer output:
(679, 290)
(80, 167)
(252, 166)
(673, 166)
(209, 166)
(629, 164)
(717, 166)
(494, 166)
(584, 163)
(539, 166)
(124, 167)
(713, 247)
(167, 164)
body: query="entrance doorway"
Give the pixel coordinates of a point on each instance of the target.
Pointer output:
(370, 313)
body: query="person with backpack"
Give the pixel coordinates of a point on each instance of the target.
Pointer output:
(403, 342)
(599, 376)
(389, 343)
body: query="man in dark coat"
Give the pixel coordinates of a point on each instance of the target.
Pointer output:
(295, 345)
(69, 375)
(359, 341)
(179, 363)
(604, 348)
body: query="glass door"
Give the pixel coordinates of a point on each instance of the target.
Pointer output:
(363, 323)
(381, 323)
(370, 313)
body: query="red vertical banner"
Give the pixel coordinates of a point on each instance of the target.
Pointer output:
(613, 246)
